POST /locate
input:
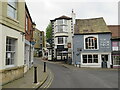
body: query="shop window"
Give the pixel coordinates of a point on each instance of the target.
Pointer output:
(116, 59)
(90, 58)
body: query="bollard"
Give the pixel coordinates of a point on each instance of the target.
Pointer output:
(44, 66)
(35, 74)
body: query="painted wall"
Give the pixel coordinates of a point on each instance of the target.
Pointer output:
(78, 42)
(19, 58)
(15, 70)
(17, 24)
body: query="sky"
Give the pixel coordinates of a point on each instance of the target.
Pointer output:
(42, 11)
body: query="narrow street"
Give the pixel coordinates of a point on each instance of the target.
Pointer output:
(82, 78)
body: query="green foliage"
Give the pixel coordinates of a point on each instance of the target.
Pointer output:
(49, 32)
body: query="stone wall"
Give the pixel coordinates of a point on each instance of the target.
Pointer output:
(11, 74)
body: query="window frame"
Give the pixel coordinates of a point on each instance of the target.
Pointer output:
(92, 58)
(65, 40)
(14, 8)
(12, 52)
(62, 40)
(26, 23)
(94, 36)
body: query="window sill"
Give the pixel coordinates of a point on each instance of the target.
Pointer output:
(90, 63)
(91, 49)
(13, 19)
(61, 32)
(10, 67)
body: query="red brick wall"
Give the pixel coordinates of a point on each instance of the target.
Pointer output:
(27, 33)
(115, 29)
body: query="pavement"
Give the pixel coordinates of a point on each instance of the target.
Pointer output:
(44, 78)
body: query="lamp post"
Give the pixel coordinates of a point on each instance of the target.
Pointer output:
(31, 32)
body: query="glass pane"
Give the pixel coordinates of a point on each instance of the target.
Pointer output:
(95, 60)
(59, 22)
(11, 12)
(89, 56)
(89, 60)
(60, 40)
(65, 22)
(12, 3)
(65, 40)
(84, 60)
(84, 56)
(95, 56)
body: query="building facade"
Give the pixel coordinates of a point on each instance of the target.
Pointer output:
(29, 47)
(62, 29)
(36, 36)
(12, 40)
(115, 45)
(42, 43)
(92, 44)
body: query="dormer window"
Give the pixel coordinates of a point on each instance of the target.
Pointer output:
(91, 42)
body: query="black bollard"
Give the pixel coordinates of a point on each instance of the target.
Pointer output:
(44, 66)
(35, 74)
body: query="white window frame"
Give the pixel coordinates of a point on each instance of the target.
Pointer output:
(91, 58)
(62, 41)
(11, 55)
(14, 8)
(87, 36)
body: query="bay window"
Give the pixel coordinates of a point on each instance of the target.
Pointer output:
(60, 40)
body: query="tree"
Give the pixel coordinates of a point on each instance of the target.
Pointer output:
(49, 32)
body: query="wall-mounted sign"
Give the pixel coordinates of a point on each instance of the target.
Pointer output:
(69, 45)
(79, 49)
(8, 55)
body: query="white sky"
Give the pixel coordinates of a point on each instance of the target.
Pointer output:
(42, 11)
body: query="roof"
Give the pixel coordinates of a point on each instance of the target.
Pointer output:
(93, 25)
(115, 29)
(62, 17)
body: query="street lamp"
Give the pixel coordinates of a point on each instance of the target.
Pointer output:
(31, 42)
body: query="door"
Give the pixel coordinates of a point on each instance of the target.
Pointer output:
(104, 58)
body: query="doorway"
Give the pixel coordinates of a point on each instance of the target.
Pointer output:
(104, 58)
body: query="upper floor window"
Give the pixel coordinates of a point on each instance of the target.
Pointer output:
(61, 29)
(26, 23)
(91, 43)
(60, 40)
(61, 22)
(40, 33)
(115, 45)
(12, 9)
